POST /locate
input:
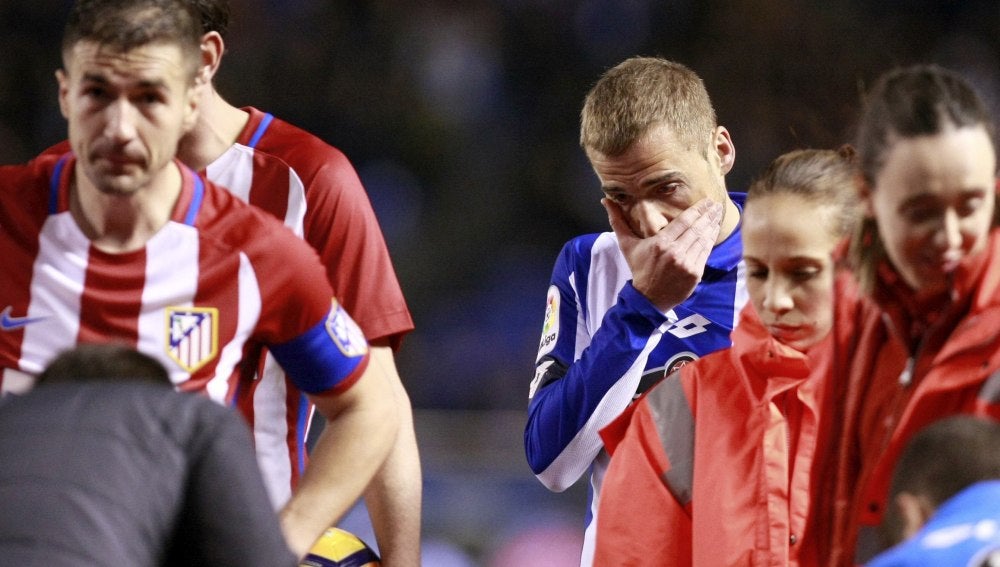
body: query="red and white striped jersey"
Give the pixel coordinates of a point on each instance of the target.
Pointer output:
(312, 187)
(217, 280)
(322, 200)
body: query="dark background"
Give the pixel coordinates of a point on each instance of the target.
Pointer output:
(462, 118)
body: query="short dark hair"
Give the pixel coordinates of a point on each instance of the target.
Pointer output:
(907, 102)
(105, 361)
(124, 25)
(940, 461)
(214, 15)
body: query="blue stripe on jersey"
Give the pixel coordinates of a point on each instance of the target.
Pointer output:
(261, 128)
(54, 183)
(196, 199)
(315, 360)
(302, 422)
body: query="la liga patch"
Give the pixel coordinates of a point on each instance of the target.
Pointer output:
(550, 326)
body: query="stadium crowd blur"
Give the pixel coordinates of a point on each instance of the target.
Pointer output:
(462, 120)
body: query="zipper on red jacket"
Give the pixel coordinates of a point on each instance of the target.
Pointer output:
(906, 376)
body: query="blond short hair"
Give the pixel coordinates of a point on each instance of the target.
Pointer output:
(642, 92)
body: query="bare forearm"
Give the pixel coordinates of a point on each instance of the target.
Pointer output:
(363, 425)
(393, 498)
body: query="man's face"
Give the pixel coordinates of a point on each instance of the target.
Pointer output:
(126, 111)
(660, 176)
(933, 201)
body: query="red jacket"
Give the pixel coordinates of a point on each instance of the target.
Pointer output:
(714, 467)
(913, 365)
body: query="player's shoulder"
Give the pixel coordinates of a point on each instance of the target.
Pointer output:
(240, 166)
(591, 244)
(28, 186)
(291, 143)
(225, 217)
(41, 165)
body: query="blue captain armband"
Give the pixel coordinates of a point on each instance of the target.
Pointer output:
(327, 358)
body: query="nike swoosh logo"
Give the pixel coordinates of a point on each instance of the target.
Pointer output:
(8, 323)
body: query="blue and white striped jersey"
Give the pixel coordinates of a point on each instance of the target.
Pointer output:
(603, 343)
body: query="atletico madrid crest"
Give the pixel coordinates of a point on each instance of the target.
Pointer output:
(192, 335)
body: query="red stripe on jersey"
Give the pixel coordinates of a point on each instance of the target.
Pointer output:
(270, 187)
(20, 220)
(112, 294)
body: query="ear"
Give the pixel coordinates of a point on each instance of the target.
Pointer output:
(915, 511)
(212, 48)
(724, 148)
(194, 94)
(63, 81)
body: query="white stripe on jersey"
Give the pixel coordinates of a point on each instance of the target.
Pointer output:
(171, 281)
(234, 170)
(608, 273)
(742, 295)
(296, 214)
(249, 313)
(270, 432)
(58, 269)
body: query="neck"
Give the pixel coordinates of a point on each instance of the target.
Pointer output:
(219, 124)
(124, 222)
(730, 219)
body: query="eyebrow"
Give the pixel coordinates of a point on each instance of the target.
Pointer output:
(659, 179)
(932, 198)
(143, 84)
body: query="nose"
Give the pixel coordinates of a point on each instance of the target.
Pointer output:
(648, 217)
(120, 125)
(949, 233)
(777, 296)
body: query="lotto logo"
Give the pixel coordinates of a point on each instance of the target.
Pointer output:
(689, 326)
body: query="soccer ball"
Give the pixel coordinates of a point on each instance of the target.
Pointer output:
(340, 548)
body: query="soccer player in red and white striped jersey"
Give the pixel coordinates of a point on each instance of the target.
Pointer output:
(319, 196)
(118, 241)
(313, 188)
